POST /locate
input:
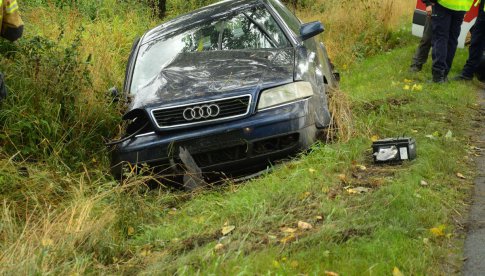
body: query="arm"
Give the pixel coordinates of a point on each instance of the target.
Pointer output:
(429, 6)
(427, 2)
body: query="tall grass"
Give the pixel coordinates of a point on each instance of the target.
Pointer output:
(355, 29)
(60, 211)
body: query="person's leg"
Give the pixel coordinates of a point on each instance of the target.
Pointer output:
(455, 29)
(440, 23)
(422, 53)
(475, 52)
(3, 88)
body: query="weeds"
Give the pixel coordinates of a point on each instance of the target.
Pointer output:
(374, 27)
(51, 105)
(61, 213)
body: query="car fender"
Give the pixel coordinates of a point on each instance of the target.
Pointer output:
(307, 68)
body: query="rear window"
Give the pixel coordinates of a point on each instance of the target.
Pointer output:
(254, 28)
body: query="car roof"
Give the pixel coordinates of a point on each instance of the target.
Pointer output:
(199, 16)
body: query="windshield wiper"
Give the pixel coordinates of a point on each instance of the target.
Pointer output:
(262, 29)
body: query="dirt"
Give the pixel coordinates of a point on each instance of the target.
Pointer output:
(376, 104)
(474, 255)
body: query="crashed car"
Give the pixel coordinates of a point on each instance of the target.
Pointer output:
(236, 85)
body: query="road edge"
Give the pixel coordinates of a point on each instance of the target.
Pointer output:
(474, 251)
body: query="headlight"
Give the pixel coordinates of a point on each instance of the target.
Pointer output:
(285, 94)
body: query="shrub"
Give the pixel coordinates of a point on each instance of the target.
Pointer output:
(47, 116)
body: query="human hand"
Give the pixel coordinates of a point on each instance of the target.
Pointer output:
(429, 10)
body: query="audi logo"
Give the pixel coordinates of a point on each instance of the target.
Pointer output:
(201, 112)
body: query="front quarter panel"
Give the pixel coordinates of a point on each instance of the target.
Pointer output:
(308, 68)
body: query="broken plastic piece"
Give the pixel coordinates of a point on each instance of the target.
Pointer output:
(193, 178)
(385, 154)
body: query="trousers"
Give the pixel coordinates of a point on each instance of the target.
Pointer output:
(477, 45)
(446, 26)
(422, 53)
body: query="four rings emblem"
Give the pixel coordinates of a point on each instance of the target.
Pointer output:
(201, 112)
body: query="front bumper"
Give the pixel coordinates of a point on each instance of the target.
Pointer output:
(232, 147)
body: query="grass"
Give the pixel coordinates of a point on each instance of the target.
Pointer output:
(359, 234)
(109, 229)
(63, 214)
(374, 27)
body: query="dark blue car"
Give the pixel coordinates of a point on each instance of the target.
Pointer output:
(236, 85)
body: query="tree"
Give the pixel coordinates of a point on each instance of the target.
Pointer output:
(159, 7)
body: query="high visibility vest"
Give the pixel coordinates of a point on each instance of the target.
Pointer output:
(457, 5)
(11, 24)
(478, 3)
(9, 7)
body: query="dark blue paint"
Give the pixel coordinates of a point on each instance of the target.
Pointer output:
(310, 30)
(212, 75)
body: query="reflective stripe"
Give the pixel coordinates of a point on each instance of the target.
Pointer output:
(12, 7)
(457, 5)
(478, 3)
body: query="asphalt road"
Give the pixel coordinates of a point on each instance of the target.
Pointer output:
(475, 241)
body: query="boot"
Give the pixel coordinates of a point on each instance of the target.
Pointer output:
(414, 68)
(439, 77)
(462, 77)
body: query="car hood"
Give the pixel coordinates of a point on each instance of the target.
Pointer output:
(206, 75)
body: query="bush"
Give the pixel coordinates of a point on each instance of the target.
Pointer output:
(47, 116)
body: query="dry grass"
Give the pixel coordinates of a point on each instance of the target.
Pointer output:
(64, 232)
(357, 26)
(341, 126)
(58, 222)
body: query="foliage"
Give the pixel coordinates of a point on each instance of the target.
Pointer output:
(62, 213)
(46, 113)
(374, 27)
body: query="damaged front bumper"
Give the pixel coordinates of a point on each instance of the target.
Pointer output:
(235, 147)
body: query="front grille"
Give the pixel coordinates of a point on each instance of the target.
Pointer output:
(221, 156)
(205, 157)
(202, 112)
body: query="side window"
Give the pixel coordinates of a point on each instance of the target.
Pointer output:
(291, 20)
(253, 29)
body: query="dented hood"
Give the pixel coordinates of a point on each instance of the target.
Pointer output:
(205, 75)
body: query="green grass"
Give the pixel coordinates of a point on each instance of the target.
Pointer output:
(359, 234)
(68, 216)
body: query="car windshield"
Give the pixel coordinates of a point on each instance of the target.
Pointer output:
(254, 28)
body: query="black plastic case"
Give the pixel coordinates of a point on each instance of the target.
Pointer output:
(406, 147)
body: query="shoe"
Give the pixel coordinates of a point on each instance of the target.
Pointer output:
(439, 76)
(415, 68)
(440, 79)
(461, 77)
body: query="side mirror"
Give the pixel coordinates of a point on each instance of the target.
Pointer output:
(311, 29)
(114, 94)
